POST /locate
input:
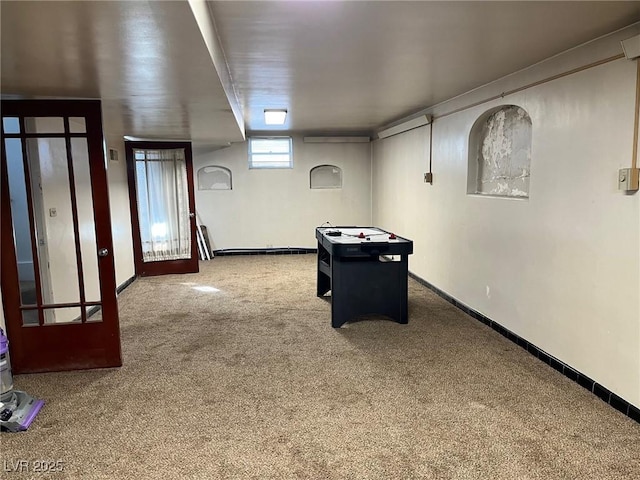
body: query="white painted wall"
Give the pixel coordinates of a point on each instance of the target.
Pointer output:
(276, 207)
(561, 269)
(120, 211)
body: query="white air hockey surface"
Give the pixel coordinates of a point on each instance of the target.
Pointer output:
(352, 235)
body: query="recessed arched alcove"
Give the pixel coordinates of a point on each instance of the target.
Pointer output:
(500, 153)
(325, 176)
(214, 177)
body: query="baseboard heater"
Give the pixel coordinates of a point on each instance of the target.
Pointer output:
(264, 251)
(581, 379)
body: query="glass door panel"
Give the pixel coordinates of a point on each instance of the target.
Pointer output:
(86, 221)
(163, 205)
(44, 125)
(22, 223)
(55, 231)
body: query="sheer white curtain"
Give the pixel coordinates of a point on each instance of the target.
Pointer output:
(163, 206)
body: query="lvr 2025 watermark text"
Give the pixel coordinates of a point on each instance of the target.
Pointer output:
(32, 466)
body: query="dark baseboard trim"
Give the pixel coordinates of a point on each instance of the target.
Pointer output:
(125, 284)
(581, 379)
(263, 251)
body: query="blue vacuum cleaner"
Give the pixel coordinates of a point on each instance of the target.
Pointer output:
(17, 409)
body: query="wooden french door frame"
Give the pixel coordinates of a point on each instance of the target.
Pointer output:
(78, 344)
(168, 266)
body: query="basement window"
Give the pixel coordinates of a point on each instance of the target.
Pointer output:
(270, 152)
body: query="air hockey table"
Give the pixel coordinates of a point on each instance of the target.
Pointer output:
(365, 268)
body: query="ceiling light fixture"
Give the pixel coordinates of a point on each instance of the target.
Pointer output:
(275, 117)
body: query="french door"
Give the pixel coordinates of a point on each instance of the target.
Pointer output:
(162, 207)
(58, 279)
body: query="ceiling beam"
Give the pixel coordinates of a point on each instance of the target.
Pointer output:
(206, 24)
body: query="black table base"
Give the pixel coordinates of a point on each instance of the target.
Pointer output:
(366, 281)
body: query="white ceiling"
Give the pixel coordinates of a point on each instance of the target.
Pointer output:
(338, 67)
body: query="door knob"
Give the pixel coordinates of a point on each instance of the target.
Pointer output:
(103, 252)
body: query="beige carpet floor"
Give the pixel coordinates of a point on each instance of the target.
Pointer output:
(246, 379)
